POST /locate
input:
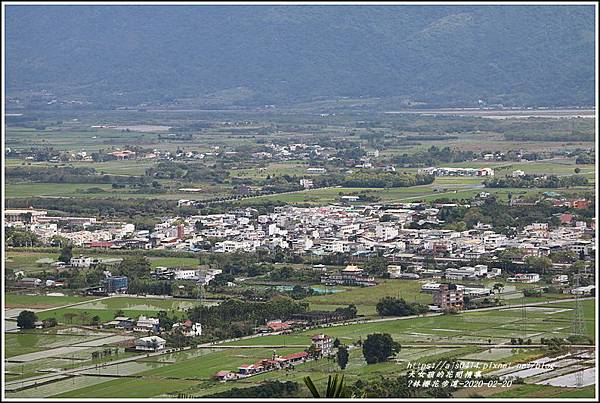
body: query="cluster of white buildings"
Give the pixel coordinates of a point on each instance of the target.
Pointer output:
(357, 230)
(451, 171)
(201, 276)
(297, 151)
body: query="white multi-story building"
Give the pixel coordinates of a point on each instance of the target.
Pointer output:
(307, 183)
(81, 262)
(394, 271)
(323, 344)
(145, 324)
(524, 278)
(186, 274)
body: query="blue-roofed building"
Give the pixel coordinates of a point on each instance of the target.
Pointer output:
(116, 284)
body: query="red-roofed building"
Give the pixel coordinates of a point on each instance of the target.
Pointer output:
(100, 245)
(247, 369)
(566, 218)
(124, 155)
(277, 325)
(580, 203)
(296, 357)
(225, 375)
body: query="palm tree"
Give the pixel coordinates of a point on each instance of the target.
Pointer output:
(335, 387)
(498, 287)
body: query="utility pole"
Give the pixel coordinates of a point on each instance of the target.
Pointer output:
(578, 327)
(523, 317)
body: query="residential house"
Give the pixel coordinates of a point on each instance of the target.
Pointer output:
(145, 324)
(150, 343)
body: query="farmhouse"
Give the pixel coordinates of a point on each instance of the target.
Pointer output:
(225, 375)
(145, 324)
(81, 261)
(150, 343)
(124, 155)
(120, 322)
(188, 328)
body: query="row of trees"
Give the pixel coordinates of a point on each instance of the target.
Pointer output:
(267, 389)
(68, 175)
(433, 156)
(501, 216)
(21, 238)
(390, 306)
(235, 318)
(104, 207)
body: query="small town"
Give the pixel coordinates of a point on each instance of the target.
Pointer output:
(294, 201)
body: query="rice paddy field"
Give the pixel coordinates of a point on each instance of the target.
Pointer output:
(191, 371)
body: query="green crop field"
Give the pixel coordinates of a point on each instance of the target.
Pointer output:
(129, 388)
(173, 262)
(14, 190)
(75, 139)
(55, 189)
(366, 298)
(114, 167)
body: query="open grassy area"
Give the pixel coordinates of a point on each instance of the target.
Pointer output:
(272, 169)
(107, 309)
(366, 298)
(442, 188)
(27, 261)
(114, 167)
(13, 300)
(173, 262)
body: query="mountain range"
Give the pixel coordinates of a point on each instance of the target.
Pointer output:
(432, 55)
